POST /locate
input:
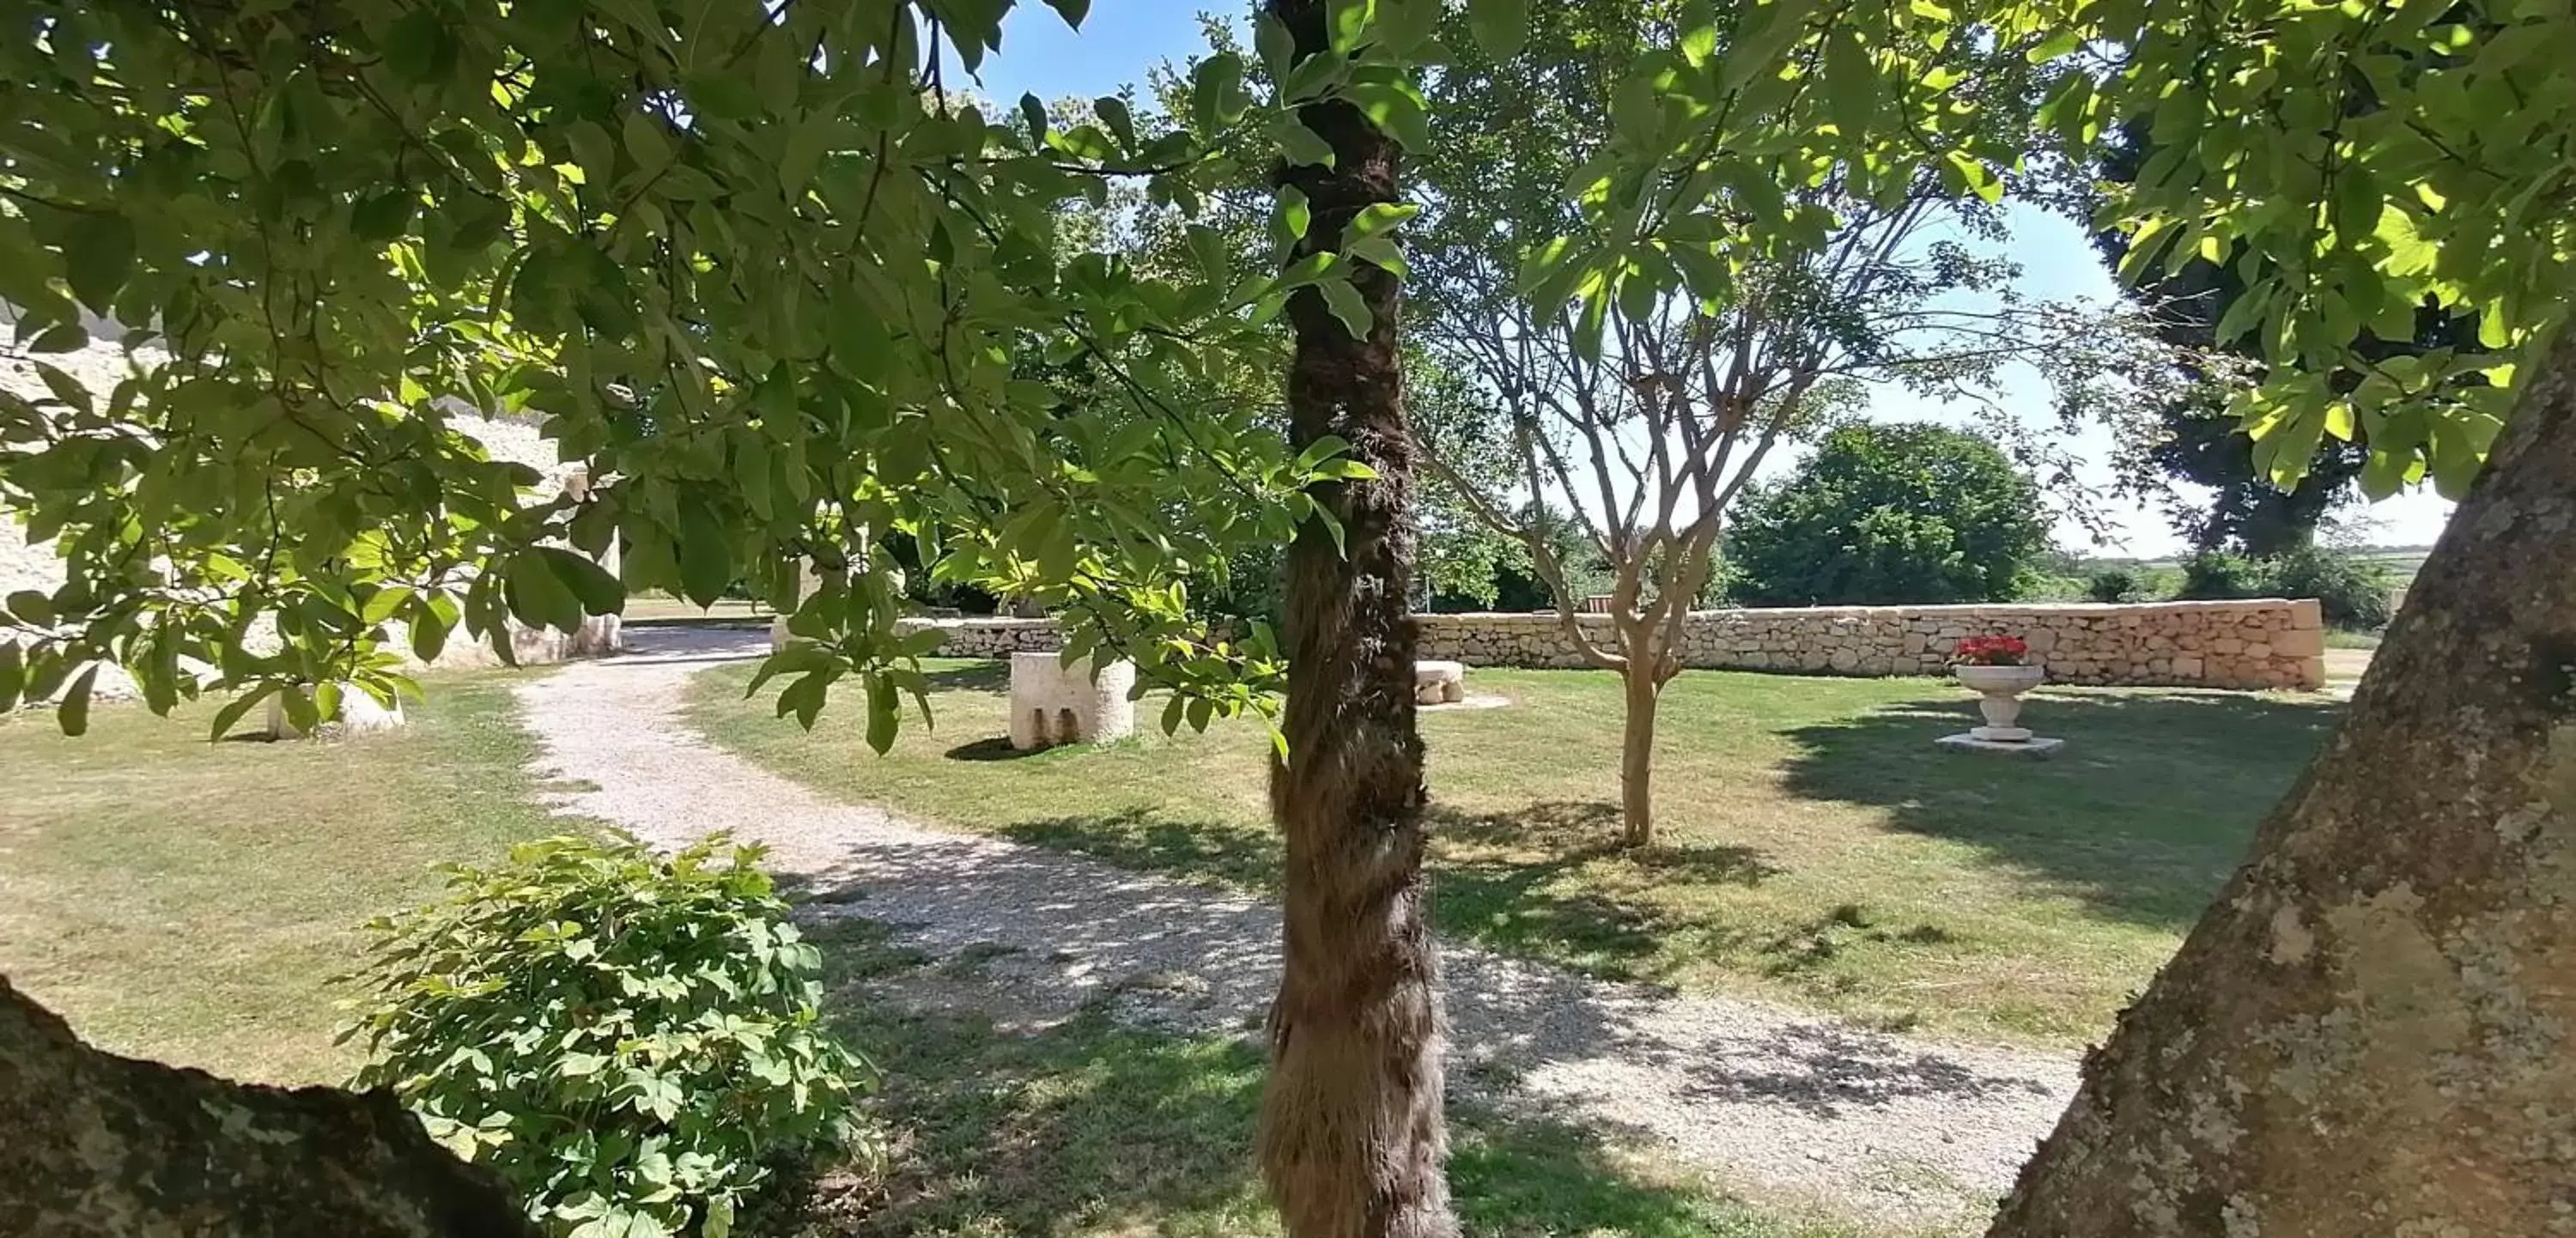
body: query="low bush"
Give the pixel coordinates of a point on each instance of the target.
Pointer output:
(634, 1043)
(2352, 593)
(2215, 575)
(2117, 584)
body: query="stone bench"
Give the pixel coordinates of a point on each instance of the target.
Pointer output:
(1439, 683)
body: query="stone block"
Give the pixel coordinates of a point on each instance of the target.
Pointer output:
(1052, 703)
(2300, 643)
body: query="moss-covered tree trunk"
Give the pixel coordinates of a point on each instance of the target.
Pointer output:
(93, 1145)
(1351, 1136)
(2373, 1031)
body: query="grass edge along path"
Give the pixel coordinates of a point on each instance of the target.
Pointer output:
(1817, 849)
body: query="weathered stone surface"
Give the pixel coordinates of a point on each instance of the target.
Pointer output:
(1052, 703)
(2257, 644)
(101, 1146)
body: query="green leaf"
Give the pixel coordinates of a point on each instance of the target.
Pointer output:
(1396, 109)
(1851, 85)
(885, 712)
(1379, 251)
(73, 713)
(383, 216)
(599, 592)
(32, 607)
(1499, 26)
(1295, 216)
(1113, 112)
(97, 254)
(432, 618)
(1072, 11)
(1272, 42)
(1345, 21)
(1379, 217)
(706, 555)
(537, 594)
(645, 142)
(1300, 144)
(1033, 113)
(1347, 305)
(724, 96)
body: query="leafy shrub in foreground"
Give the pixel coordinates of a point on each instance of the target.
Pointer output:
(632, 1042)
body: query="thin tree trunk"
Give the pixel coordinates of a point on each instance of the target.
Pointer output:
(1637, 752)
(1351, 1138)
(2373, 1030)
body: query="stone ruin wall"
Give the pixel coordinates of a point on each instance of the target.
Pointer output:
(2256, 644)
(101, 365)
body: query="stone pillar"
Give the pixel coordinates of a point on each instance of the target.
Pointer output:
(1052, 703)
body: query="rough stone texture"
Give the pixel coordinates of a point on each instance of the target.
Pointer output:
(93, 1145)
(1052, 703)
(2263, 643)
(2372, 1029)
(1439, 683)
(989, 638)
(102, 365)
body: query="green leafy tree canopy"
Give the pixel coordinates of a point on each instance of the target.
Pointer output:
(1889, 514)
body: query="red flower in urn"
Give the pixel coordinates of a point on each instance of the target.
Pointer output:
(1990, 651)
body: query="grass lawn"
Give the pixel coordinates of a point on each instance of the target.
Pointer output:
(664, 608)
(1816, 847)
(1084, 1129)
(185, 901)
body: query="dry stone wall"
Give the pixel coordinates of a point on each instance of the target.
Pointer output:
(989, 638)
(2263, 643)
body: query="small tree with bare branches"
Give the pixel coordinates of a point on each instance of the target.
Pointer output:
(1639, 418)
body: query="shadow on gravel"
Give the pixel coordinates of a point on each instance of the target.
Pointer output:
(1827, 1072)
(1086, 1127)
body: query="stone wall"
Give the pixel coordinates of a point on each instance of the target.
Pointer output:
(101, 365)
(2263, 643)
(989, 638)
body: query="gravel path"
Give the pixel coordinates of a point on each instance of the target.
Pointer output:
(1885, 1128)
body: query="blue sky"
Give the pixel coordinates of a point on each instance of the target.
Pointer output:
(1122, 39)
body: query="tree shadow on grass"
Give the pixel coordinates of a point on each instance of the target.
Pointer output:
(970, 675)
(2142, 816)
(1087, 1127)
(1547, 880)
(1551, 880)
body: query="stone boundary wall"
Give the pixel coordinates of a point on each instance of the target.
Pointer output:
(989, 638)
(2261, 643)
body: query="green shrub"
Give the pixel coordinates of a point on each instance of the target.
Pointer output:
(2351, 592)
(2117, 584)
(1890, 514)
(2215, 575)
(632, 1042)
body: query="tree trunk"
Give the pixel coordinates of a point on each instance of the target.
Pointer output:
(2373, 1030)
(93, 1145)
(1637, 752)
(1351, 1137)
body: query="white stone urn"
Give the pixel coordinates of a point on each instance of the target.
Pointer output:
(1999, 690)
